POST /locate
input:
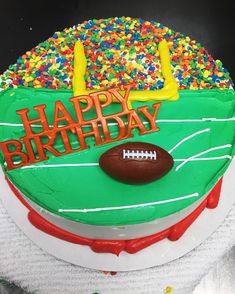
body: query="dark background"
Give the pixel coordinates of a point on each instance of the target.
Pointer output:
(23, 24)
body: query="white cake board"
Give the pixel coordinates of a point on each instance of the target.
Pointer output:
(157, 254)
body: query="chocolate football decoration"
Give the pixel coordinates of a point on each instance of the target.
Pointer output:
(136, 162)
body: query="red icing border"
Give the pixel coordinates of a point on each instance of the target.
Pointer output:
(116, 246)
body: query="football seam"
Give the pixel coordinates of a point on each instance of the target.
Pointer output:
(139, 154)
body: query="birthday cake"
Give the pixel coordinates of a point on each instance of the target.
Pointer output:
(116, 133)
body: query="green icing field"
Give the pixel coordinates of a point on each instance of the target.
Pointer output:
(210, 113)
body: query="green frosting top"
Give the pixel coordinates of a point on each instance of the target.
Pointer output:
(198, 130)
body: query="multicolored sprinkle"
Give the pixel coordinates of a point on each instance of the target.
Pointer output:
(119, 51)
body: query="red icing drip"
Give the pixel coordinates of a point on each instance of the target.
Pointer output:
(214, 195)
(111, 246)
(178, 229)
(116, 246)
(49, 228)
(135, 245)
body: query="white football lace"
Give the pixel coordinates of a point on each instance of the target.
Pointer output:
(139, 154)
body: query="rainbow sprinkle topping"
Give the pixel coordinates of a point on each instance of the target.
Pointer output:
(119, 51)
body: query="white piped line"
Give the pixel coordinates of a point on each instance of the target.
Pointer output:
(206, 158)
(201, 153)
(59, 165)
(197, 120)
(218, 119)
(187, 138)
(85, 210)
(157, 121)
(96, 163)
(10, 125)
(21, 125)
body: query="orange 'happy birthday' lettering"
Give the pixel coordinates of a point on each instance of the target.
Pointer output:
(72, 134)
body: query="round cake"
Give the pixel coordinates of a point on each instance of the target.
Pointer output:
(116, 133)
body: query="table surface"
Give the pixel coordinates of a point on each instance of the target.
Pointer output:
(220, 280)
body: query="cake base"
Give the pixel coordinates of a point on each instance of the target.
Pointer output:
(156, 254)
(173, 233)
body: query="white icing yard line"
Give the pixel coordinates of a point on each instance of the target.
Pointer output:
(85, 210)
(59, 165)
(187, 138)
(157, 121)
(201, 153)
(21, 125)
(96, 163)
(197, 120)
(206, 158)
(11, 125)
